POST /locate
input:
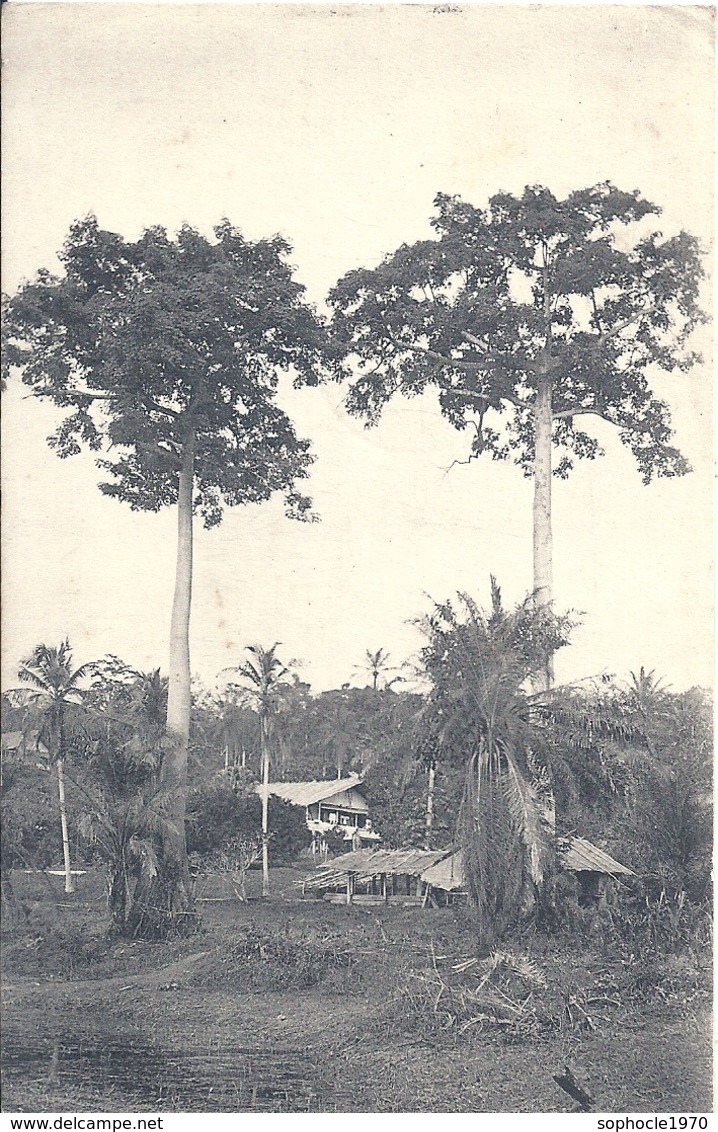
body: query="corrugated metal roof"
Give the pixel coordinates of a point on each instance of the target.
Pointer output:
(582, 856)
(306, 793)
(368, 863)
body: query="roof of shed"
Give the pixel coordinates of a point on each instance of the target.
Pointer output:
(447, 874)
(368, 863)
(578, 856)
(19, 740)
(12, 740)
(306, 793)
(582, 856)
(443, 868)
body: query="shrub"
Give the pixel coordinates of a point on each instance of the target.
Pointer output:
(276, 960)
(216, 813)
(30, 824)
(227, 807)
(654, 923)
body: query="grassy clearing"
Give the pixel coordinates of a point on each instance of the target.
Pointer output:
(291, 1005)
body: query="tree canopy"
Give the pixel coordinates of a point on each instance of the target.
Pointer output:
(580, 290)
(145, 343)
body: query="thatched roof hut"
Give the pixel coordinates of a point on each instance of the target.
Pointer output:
(593, 867)
(370, 876)
(417, 876)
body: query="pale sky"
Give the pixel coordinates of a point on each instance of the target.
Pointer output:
(337, 127)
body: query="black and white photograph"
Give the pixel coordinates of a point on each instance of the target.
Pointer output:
(357, 560)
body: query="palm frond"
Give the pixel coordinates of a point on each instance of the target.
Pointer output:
(30, 676)
(528, 822)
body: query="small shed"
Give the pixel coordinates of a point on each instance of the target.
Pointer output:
(594, 869)
(25, 745)
(445, 876)
(374, 876)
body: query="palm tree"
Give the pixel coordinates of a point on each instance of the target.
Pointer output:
(377, 665)
(647, 694)
(480, 710)
(263, 676)
(55, 687)
(127, 806)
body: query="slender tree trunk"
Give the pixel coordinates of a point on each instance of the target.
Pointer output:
(543, 530)
(430, 805)
(164, 900)
(179, 701)
(542, 542)
(265, 804)
(543, 430)
(69, 883)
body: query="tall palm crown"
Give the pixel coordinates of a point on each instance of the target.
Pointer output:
(480, 711)
(377, 665)
(54, 688)
(53, 685)
(263, 676)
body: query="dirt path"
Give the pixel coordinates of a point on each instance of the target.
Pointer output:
(22, 987)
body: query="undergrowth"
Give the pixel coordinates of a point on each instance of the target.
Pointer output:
(277, 960)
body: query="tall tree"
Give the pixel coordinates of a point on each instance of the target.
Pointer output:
(263, 675)
(168, 354)
(54, 687)
(527, 316)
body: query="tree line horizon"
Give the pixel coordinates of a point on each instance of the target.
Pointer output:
(525, 316)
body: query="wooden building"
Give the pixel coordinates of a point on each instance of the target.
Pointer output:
(595, 869)
(336, 804)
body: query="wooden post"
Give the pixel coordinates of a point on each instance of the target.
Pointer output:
(384, 888)
(429, 817)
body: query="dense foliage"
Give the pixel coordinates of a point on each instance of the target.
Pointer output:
(171, 337)
(628, 766)
(581, 292)
(228, 806)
